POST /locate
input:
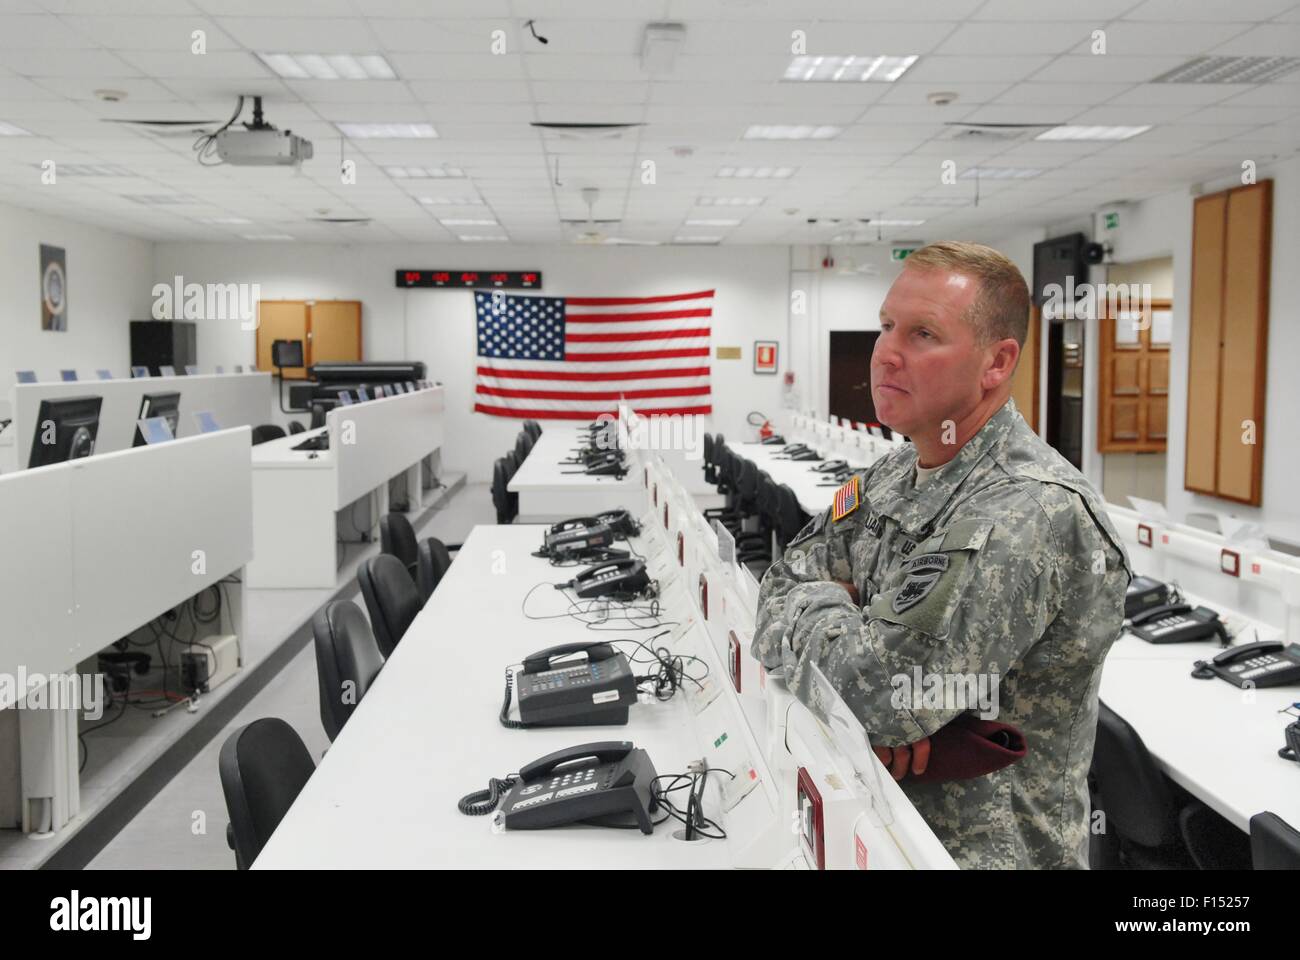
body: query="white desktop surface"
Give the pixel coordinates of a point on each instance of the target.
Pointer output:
(1212, 738)
(427, 733)
(799, 475)
(279, 454)
(548, 488)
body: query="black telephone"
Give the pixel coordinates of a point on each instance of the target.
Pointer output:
(572, 538)
(620, 521)
(1178, 623)
(775, 440)
(805, 454)
(1147, 593)
(831, 466)
(1266, 663)
(556, 690)
(607, 464)
(607, 783)
(619, 579)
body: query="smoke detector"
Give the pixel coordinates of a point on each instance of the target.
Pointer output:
(941, 98)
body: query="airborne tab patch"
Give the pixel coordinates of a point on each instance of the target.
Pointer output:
(846, 500)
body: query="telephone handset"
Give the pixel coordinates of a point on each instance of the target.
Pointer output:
(805, 455)
(775, 440)
(832, 466)
(556, 690)
(1266, 663)
(1178, 623)
(624, 579)
(607, 783)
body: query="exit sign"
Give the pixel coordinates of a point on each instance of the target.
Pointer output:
(1112, 221)
(902, 253)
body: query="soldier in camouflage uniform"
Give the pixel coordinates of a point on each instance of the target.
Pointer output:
(999, 562)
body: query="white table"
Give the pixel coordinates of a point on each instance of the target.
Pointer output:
(297, 494)
(815, 491)
(427, 733)
(1216, 741)
(550, 490)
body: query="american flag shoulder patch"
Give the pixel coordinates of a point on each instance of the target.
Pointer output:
(846, 499)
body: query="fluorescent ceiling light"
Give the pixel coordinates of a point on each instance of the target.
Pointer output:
(329, 66)
(10, 130)
(266, 236)
(387, 131)
(757, 173)
(854, 69)
(713, 223)
(419, 173)
(451, 201)
(1091, 133)
(729, 201)
(699, 239)
(88, 170)
(999, 173)
(481, 238)
(948, 201)
(1230, 70)
(777, 131)
(225, 221)
(460, 222)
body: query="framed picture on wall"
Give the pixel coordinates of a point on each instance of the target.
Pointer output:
(54, 288)
(765, 356)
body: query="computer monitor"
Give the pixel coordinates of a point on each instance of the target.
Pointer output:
(104, 374)
(139, 373)
(155, 430)
(286, 353)
(191, 370)
(26, 376)
(206, 422)
(65, 430)
(220, 369)
(69, 376)
(166, 405)
(362, 395)
(345, 398)
(410, 387)
(166, 370)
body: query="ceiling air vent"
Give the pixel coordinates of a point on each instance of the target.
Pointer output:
(1230, 70)
(586, 131)
(993, 132)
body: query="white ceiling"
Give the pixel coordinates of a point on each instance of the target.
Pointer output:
(1009, 61)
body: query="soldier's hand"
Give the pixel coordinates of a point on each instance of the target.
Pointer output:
(853, 591)
(915, 756)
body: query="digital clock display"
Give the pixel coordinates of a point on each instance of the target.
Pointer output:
(501, 279)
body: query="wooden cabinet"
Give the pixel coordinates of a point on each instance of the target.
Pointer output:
(1133, 388)
(330, 330)
(1227, 344)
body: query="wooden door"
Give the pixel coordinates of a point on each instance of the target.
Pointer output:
(334, 327)
(281, 320)
(1133, 394)
(1024, 382)
(850, 375)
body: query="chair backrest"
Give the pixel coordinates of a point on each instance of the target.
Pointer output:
(708, 449)
(296, 426)
(501, 496)
(392, 599)
(397, 536)
(512, 463)
(1274, 843)
(263, 768)
(791, 516)
(1137, 800)
(347, 661)
(434, 561)
(267, 431)
(523, 445)
(533, 429)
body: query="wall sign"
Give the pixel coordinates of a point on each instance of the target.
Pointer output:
(765, 356)
(54, 288)
(482, 279)
(727, 353)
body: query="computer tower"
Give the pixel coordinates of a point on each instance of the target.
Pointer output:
(158, 343)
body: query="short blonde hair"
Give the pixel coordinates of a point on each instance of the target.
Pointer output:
(1001, 308)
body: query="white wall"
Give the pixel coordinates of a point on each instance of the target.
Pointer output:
(109, 280)
(438, 326)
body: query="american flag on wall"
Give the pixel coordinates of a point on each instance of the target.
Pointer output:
(573, 358)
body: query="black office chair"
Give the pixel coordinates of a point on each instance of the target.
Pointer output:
(397, 536)
(533, 429)
(1274, 843)
(263, 768)
(791, 517)
(296, 427)
(392, 599)
(523, 445)
(710, 469)
(318, 410)
(267, 431)
(501, 497)
(347, 661)
(434, 561)
(1157, 826)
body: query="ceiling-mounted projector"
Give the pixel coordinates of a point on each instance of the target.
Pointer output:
(259, 144)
